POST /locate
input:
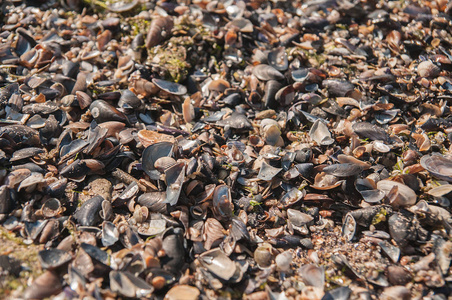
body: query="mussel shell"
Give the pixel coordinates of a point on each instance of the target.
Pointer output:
(183, 291)
(51, 208)
(26, 153)
(343, 170)
(6, 201)
(313, 275)
(438, 165)
(31, 181)
(88, 213)
(271, 89)
(174, 177)
(263, 256)
(406, 196)
(122, 6)
(34, 229)
(237, 121)
(441, 190)
(129, 102)
(95, 253)
(244, 25)
(110, 234)
(292, 197)
(21, 134)
(151, 154)
(337, 87)
(96, 135)
(222, 202)
(298, 218)
(170, 87)
(44, 286)
(340, 293)
(72, 148)
(443, 253)
(349, 227)
(239, 232)
(285, 95)
(370, 195)
(401, 229)
(154, 201)
(104, 112)
(76, 170)
(152, 227)
(173, 245)
(84, 100)
(231, 100)
(110, 96)
(70, 68)
(30, 166)
(364, 216)
(320, 134)
(372, 132)
(278, 59)
(128, 285)
(266, 72)
(53, 258)
(300, 75)
(268, 172)
(219, 85)
(303, 155)
(398, 275)
(218, 264)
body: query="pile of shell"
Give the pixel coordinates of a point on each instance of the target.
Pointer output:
(227, 148)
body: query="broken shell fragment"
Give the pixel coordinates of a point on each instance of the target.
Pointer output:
(129, 285)
(174, 177)
(53, 258)
(268, 172)
(186, 292)
(216, 262)
(404, 196)
(320, 134)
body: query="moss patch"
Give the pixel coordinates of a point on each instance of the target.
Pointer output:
(10, 286)
(172, 57)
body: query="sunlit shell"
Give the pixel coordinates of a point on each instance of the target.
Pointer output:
(182, 292)
(313, 275)
(349, 227)
(266, 72)
(320, 134)
(438, 165)
(405, 195)
(343, 170)
(218, 263)
(174, 176)
(324, 181)
(367, 189)
(213, 232)
(148, 137)
(263, 256)
(440, 190)
(427, 69)
(170, 87)
(267, 172)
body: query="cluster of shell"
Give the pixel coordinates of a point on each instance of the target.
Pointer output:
(288, 120)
